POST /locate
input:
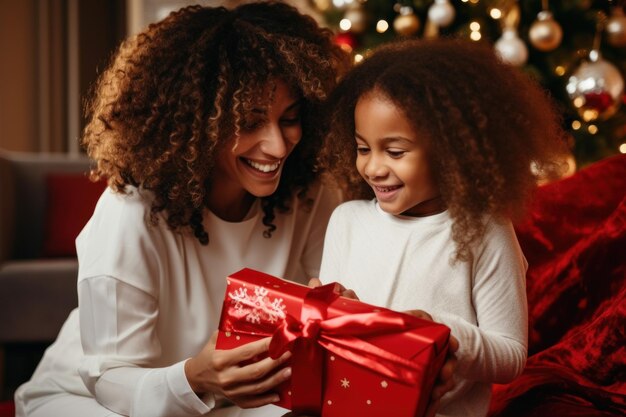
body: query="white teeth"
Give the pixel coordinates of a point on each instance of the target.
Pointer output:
(386, 189)
(263, 167)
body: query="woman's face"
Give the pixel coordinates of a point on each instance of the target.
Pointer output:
(392, 156)
(253, 163)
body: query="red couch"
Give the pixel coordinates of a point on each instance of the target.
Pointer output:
(7, 409)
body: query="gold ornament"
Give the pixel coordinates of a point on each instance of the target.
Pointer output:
(406, 24)
(322, 5)
(545, 33)
(616, 28)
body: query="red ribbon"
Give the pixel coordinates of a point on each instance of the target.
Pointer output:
(308, 337)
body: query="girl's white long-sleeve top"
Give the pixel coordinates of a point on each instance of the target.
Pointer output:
(404, 263)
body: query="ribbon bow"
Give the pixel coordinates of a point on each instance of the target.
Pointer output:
(308, 336)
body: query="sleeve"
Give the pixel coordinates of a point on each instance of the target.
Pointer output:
(119, 274)
(119, 338)
(495, 349)
(326, 201)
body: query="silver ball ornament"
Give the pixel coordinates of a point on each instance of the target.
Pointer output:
(511, 48)
(615, 28)
(441, 13)
(595, 88)
(545, 33)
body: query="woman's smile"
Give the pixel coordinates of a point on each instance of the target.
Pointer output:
(262, 167)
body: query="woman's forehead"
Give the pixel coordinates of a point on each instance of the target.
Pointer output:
(271, 92)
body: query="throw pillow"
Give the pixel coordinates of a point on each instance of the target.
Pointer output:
(71, 198)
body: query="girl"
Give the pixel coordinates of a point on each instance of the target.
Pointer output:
(205, 127)
(442, 136)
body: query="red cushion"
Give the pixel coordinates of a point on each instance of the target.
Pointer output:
(70, 202)
(7, 409)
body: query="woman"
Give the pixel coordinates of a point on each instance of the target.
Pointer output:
(204, 126)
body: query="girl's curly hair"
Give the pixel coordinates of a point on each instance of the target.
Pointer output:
(487, 123)
(179, 91)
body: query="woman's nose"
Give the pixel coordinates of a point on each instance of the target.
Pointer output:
(274, 142)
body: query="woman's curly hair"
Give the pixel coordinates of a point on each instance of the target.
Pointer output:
(486, 122)
(179, 91)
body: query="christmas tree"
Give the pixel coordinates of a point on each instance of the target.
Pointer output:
(575, 48)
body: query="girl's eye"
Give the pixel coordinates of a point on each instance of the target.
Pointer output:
(362, 150)
(395, 153)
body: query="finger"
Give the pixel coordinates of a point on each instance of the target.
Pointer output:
(315, 282)
(420, 314)
(339, 289)
(440, 389)
(445, 381)
(447, 370)
(350, 294)
(258, 386)
(453, 344)
(258, 370)
(247, 351)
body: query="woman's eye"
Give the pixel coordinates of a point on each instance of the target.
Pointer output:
(290, 121)
(251, 125)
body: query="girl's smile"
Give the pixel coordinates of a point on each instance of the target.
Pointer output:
(386, 193)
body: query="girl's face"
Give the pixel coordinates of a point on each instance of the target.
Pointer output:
(392, 156)
(254, 162)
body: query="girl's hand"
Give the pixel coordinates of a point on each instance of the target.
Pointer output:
(444, 382)
(315, 282)
(420, 314)
(222, 372)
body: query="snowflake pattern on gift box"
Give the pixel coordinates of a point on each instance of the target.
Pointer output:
(258, 307)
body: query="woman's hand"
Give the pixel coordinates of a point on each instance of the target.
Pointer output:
(340, 289)
(444, 382)
(246, 385)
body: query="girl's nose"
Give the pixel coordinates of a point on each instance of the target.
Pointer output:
(375, 167)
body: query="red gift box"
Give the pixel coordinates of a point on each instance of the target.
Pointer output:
(347, 356)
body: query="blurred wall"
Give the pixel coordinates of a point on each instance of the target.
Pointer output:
(18, 94)
(51, 52)
(50, 55)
